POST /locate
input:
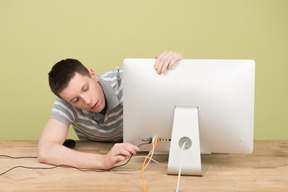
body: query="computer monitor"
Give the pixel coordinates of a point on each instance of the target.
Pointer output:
(210, 102)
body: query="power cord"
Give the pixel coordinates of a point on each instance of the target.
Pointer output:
(27, 157)
(180, 166)
(63, 165)
(53, 167)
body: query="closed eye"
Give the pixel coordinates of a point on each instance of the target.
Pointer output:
(75, 100)
(86, 88)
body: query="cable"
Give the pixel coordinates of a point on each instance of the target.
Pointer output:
(53, 167)
(155, 142)
(180, 163)
(129, 158)
(26, 157)
(62, 165)
(163, 164)
(134, 156)
(144, 166)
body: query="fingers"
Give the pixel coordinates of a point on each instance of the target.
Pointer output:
(166, 60)
(126, 149)
(119, 152)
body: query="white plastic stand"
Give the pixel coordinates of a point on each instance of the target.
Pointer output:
(185, 129)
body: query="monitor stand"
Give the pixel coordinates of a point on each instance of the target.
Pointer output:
(185, 129)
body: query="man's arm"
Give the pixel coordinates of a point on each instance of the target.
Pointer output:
(51, 150)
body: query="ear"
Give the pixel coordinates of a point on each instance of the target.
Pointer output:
(93, 75)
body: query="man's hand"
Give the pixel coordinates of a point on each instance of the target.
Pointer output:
(119, 152)
(166, 60)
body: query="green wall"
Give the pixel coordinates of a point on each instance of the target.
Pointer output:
(36, 34)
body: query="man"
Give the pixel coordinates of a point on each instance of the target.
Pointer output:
(93, 105)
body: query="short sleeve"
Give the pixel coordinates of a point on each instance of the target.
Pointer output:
(62, 111)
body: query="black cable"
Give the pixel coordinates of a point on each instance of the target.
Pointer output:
(128, 159)
(26, 157)
(53, 167)
(62, 165)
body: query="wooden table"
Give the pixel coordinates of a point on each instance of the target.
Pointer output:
(265, 170)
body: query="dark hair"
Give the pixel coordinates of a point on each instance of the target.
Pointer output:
(62, 72)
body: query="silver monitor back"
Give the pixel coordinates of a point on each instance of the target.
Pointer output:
(223, 91)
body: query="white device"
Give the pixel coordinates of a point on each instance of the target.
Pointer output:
(210, 103)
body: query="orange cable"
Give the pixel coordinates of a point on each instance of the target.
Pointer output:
(143, 166)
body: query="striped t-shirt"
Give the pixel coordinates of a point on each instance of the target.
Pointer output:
(92, 125)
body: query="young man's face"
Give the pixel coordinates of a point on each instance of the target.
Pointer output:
(84, 92)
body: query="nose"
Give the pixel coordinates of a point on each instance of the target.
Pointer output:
(86, 99)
